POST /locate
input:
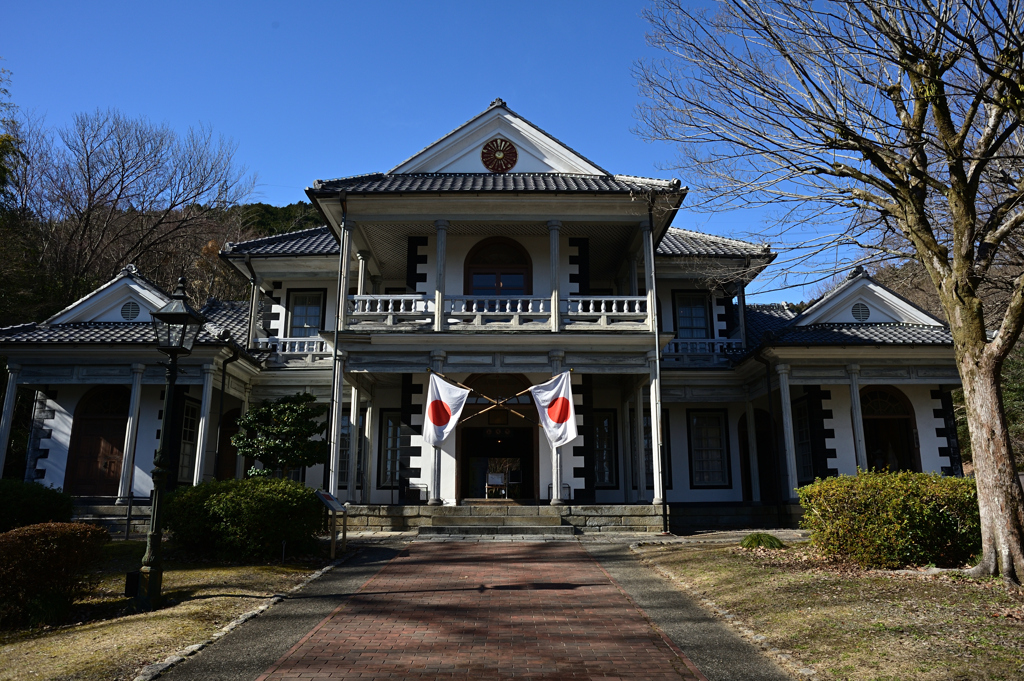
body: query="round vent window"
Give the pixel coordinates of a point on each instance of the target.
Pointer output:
(130, 310)
(861, 312)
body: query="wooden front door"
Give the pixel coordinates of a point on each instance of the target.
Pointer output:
(97, 443)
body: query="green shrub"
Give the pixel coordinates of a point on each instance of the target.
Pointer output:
(756, 540)
(44, 568)
(891, 520)
(29, 503)
(245, 518)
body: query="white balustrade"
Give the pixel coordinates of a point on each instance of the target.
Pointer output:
(482, 311)
(389, 310)
(312, 345)
(703, 346)
(607, 311)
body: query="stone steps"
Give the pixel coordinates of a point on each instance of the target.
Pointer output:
(496, 521)
(484, 530)
(112, 516)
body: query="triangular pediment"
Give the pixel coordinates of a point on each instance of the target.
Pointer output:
(862, 300)
(125, 298)
(460, 150)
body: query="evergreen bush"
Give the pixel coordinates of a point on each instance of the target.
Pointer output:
(892, 520)
(245, 518)
(29, 503)
(44, 568)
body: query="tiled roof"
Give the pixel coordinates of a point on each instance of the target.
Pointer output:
(379, 183)
(230, 315)
(315, 241)
(766, 318)
(864, 334)
(683, 242)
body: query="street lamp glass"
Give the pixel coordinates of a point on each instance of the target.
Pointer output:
(176, 325)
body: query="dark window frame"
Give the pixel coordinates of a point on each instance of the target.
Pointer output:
(613, 440)
(727, 451)
(666, 446)
(382, 449)
(709, 312)
(323, 309)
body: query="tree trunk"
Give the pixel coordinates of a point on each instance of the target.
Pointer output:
(1000, 498)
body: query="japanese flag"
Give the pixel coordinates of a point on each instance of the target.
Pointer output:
(442, 410)
(554, 405)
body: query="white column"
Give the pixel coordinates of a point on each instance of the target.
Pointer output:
(857, 417)
(442, 251)
(787, 431)
(367, 455)
(337, 414)
(641, 452)
(554, 238)
(346, 266)
(240, 470)
(203, 436)
(755, 475)
(353, 443)
(128, 460)
(656, 453)
(556, 357)
(362, 257)
(6, 420)
(652, 302)
(434, 497)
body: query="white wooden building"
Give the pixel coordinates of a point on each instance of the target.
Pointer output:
(499, 256)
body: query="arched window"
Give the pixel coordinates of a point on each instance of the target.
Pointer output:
(97, 441)
(498, 267)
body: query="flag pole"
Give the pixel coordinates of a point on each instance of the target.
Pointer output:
(495, 403)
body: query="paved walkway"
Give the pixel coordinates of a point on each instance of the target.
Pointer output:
(486, 610)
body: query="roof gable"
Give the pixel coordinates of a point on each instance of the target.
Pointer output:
(459, 150)
(128, 297)
(862, 300)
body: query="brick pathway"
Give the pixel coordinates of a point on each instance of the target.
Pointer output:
(486, 611)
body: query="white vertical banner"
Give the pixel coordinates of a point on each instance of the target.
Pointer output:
(442, 409)
(556, 410)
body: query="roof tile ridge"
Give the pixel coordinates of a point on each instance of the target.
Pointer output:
(18, 328)
(317, 184)
(281, 236)
(715, 236)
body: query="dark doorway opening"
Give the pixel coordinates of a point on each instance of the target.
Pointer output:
(767, 459)
(97, 443)
(227, 453)
(497, 463)
(889, 433)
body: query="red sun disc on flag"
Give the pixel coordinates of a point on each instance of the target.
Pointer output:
(558, 411)
(439, 413)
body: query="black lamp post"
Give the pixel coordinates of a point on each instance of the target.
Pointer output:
(176, 325)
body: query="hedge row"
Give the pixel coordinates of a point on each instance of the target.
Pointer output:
(29, 503)
(892, 520)
(44, 568)
(245, 518)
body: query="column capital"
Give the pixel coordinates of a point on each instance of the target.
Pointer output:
(347, 225)
(782, 369)
(13, 368)
(438, 354)
(209, 369)
(554, 225)
(652, 356)
(342, 355)
(440, 225)
(138, 368)
(556, 355)
(363, 255)
(645, 225)
(853, 369)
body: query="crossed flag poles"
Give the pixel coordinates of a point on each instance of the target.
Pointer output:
(446, 399)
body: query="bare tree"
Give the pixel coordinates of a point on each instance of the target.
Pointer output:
(108, 190)
(898, 120)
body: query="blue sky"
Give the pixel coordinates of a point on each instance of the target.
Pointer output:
(329, 89)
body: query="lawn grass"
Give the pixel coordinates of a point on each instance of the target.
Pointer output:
(105, 639)
(850, 624)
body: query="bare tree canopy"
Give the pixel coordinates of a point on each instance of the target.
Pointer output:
(108, 190)
(897, 122)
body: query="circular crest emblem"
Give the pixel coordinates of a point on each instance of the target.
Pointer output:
(499, 155)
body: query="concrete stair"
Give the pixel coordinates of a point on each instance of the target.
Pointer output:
(496, 519)
(112, 517)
